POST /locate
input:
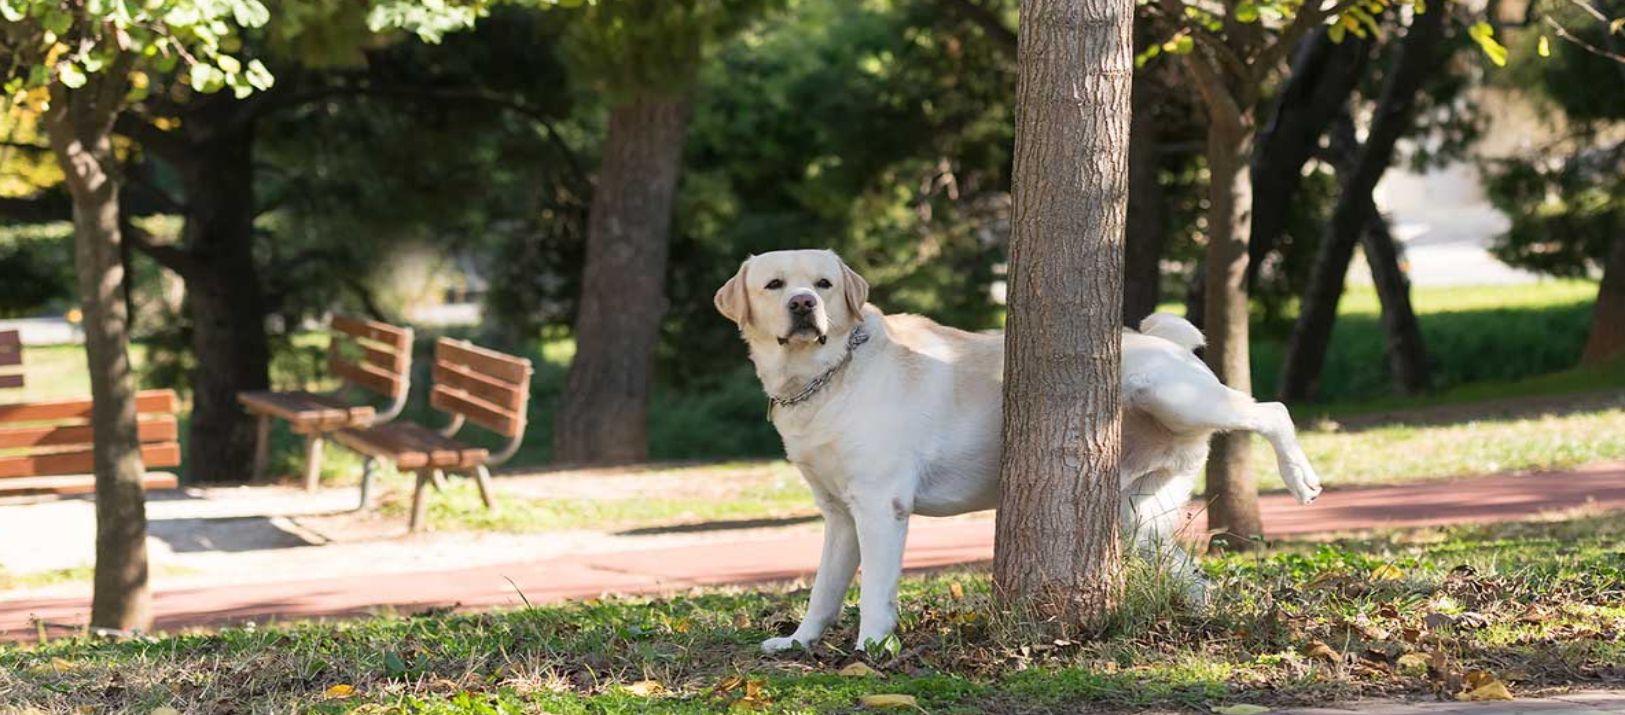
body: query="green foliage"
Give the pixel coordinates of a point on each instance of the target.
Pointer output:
(628, 47)
(37, 265)
(58, 41)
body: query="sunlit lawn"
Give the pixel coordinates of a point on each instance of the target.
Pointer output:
(1425, 613)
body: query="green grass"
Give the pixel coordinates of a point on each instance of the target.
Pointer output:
(1536, 605)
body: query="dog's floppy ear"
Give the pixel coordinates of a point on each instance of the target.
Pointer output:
(732, 301)
(857, 290)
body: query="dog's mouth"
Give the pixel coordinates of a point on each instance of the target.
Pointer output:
(804, 329)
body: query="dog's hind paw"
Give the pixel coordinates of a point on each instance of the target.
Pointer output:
(780, 645)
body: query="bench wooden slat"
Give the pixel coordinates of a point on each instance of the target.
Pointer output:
(161, 429)
(506, 368)
(10, 339)
(146, 402)
(458, 377)
(78, 484)
(394, 362)
(366, 376)
(307, 411)
(164, 454)
(11, 381)
(398, 338)
(412, 446)
(480, 412)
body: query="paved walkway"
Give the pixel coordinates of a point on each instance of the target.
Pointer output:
(765, 556)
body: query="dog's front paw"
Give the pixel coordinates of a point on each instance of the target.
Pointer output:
(780, 645)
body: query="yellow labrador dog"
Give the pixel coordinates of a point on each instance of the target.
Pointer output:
(892, 415)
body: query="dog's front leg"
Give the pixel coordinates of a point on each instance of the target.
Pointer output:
(835, 569)
(882, 532)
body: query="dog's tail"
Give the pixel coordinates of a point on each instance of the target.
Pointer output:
(1173, 329)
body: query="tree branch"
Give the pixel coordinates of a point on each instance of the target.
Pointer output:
(1301, 24)
(169, 256)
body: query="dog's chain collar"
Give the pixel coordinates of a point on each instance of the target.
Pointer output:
(857, 337)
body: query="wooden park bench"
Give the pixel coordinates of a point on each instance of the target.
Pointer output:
(471, 384)
(48, 447)
(367, 356)
(11, 359)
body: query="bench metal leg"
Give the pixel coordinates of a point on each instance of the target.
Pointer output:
(369, 470)
(420, 499)
(262, 449)
(313, 460)
(482, 477)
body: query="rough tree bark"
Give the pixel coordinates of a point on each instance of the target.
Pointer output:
(1607, 340)
(212, 153)
(603, 416)
(80, 125)
(1057, 551)
(1232, 490)
(1142, 245)
(1311, 334)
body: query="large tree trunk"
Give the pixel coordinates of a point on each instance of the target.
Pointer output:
(1057, 552)
(1407, 354)
(80, 125)
(1607, 339)
(1142, 247)
(603, 417)
(1232, 491)
(225, 299)
(1311, 335)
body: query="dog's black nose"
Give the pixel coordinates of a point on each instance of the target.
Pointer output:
(803, 304)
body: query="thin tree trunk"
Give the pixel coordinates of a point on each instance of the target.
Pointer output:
(1142, 247)
(225, 299)
(1607, 340)
(603, 417)
(1317, 91)
(1232, 491)
(1311, 336)
(80, 127)
(1057, 552)
(1407, 354)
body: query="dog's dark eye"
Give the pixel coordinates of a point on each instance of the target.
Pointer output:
(775, 284)
(823, 283)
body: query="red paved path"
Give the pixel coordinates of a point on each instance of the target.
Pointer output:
(789, 556)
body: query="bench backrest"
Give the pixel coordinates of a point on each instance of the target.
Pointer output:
(40, 439)
(11, 359)
(488, 388)
(370, 355)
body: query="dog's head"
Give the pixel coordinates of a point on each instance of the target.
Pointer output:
(790, 296)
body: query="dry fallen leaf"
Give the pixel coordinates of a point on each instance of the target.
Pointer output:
(1492, 690)
(957, 591)
(341, 690)
(1318, 649)
(859, 669)
(646, 688)
(1387, 572)
(1413, 664)
(889, 701)
(1241, 709)
(173, 711)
